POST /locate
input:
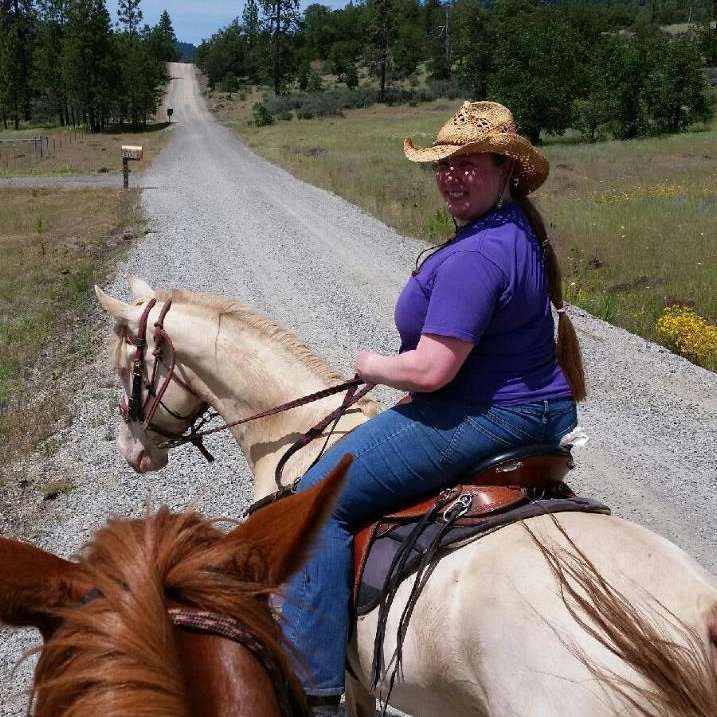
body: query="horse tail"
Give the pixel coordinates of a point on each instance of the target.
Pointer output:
(678, 666)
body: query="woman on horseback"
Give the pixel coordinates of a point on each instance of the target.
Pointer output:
(477, 355)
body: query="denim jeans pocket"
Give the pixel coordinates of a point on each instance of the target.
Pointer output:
(452, 453)
(520, 427)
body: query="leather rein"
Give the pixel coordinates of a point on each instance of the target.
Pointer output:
(137, 409)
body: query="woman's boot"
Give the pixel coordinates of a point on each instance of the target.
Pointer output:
(324, 705)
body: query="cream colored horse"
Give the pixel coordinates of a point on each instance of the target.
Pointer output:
(523, 622)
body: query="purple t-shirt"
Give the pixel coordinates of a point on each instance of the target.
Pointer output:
(488, 286)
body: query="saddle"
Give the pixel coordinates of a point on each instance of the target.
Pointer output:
(502, 489)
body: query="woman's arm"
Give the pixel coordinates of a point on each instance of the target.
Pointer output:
(433, 364)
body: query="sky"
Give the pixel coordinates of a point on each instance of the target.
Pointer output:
(195, 20)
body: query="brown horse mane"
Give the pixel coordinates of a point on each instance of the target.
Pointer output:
(672, 658)
(116, 655)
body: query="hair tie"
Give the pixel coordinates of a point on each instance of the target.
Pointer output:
(563, 309)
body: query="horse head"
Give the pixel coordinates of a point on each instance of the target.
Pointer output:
(161, 398)
(212, 352)
(151, 617)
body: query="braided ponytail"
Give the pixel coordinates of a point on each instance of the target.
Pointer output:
(567, 349)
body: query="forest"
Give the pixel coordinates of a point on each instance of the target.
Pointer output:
(65, 62)
(601, 67)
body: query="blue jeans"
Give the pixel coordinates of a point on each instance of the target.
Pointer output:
(402, 455)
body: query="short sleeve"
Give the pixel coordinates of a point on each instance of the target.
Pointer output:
(465, 294)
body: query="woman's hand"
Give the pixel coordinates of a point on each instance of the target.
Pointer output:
(365, 366)
(433, 364)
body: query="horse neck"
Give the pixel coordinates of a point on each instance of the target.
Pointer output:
(241, 371)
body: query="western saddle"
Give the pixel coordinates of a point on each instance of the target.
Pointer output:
(494, 486)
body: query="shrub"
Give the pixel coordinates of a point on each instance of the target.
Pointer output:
(323, 105)
(313, 84)
(447, 89)
(280, 104)
(331, 102)
(351, 77)
(688, 333)
(230, 83)
(262, 116)
(303, 73)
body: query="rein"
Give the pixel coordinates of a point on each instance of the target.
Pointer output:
(136, 410)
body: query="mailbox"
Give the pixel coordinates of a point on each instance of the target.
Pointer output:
(130, 151)
(170, 111)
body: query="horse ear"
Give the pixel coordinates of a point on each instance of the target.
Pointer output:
(34, 583)
(140, 288)
(116, 308)
(283, 532)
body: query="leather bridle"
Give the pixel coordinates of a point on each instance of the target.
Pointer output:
(135, 408)
(211, 623)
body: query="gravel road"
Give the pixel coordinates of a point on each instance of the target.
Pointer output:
(228, 222)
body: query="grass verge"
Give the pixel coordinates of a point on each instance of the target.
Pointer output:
(70, 151)
(635, 222)
(55, 245)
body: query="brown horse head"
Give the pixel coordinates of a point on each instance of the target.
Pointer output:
(110, 647)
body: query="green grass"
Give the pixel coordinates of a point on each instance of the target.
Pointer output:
(55, 245)
(72, 151)
(634, 222)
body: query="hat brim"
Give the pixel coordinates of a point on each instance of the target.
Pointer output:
(532, 167)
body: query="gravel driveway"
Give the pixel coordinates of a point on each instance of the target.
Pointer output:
(228, 222)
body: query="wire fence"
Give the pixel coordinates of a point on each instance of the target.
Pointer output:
(22, 154)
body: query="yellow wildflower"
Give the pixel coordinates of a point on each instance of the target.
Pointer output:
(688, 333)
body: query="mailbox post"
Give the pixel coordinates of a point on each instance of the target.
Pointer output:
(170, 112)
(129, 152)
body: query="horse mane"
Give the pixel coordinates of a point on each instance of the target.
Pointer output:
(117, 655)
(672, 658)
(234, 310)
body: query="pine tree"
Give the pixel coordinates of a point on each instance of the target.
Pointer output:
(381, 39)
(163, 40)
(438, 23)
(280, 18)
(88, 63)
(130, 15)
(50, 80)
(474, 48)
(16, 45)
(250, 21)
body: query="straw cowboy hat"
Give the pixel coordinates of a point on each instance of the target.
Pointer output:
(480, 127)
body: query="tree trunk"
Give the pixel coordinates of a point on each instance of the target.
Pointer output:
(276, 74)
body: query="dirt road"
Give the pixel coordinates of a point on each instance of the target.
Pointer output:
(228, 222)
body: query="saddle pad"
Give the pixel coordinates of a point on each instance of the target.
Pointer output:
(385, 546)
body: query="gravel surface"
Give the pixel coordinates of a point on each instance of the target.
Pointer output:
(228, 222)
